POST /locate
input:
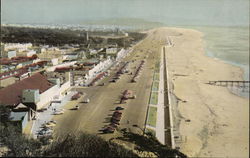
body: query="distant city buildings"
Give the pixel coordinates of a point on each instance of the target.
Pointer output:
(19, 46)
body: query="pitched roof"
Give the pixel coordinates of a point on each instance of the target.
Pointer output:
(11, 95)
(20, 105)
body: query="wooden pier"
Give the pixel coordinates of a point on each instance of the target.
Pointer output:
(230, 83)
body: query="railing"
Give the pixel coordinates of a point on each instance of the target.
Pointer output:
(230, 83)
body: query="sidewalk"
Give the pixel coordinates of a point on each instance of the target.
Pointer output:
(47, 115)
(160, 123)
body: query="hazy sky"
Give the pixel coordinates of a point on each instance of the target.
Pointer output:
(181, 12)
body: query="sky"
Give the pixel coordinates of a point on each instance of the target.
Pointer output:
(172, 12)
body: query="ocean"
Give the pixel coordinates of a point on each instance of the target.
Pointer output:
(231, 45)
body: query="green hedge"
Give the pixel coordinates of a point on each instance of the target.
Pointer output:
(152, 116)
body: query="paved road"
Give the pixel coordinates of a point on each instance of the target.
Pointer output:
(46, 115)
(93, 116)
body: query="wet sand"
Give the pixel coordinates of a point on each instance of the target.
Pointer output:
(219, 120)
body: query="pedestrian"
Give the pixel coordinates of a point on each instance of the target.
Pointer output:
(127, 121)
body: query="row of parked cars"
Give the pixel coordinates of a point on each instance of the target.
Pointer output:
(46, 131)
(45, 134)
(123, 69)
(137, 72)
(114, 121)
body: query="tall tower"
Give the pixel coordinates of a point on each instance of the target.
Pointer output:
(87, 36)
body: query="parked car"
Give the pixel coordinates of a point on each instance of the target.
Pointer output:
(117, 112)
(102, 84)
(112, 80)
(49, 124)
(52, 121)
(86, 101)
(115, 121)
(108, 129)
(119, 108)
(134, 97)
(58, 112)
(57, 101)
(113, 125)
(116, 118)
(77, 107)
(133, 80)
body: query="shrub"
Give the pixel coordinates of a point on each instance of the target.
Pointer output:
(86, 145)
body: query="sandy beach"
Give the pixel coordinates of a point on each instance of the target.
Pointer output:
(219, 120)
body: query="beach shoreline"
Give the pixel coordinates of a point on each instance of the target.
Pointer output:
(243, 71)
(218, 125)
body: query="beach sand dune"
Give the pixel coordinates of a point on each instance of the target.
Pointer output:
(219, 120)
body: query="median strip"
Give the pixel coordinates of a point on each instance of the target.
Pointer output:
(154, 98)
(152, 115)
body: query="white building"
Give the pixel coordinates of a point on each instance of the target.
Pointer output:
(24, 46)
(122, 53)
(61, 65)
(30, 53)
(54, 61)
(43, 99)
(93, 52)
(35, 91)
(111, 51)
(42, 50)
(21, 50)
(100, 67)
(70, 57)
(11, 54)
(53, 49)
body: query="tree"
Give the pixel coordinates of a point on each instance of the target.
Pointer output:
(79, 145)
(18, 144)
(5, 114)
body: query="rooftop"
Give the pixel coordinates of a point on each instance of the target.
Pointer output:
(11, 95)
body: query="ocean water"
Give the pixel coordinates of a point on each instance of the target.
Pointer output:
(231, 45)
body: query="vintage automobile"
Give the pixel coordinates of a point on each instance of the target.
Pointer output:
(86, 101)
(77, 107)
(108, 129)
(119, 108)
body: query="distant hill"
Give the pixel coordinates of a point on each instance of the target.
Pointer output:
(130, 22)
